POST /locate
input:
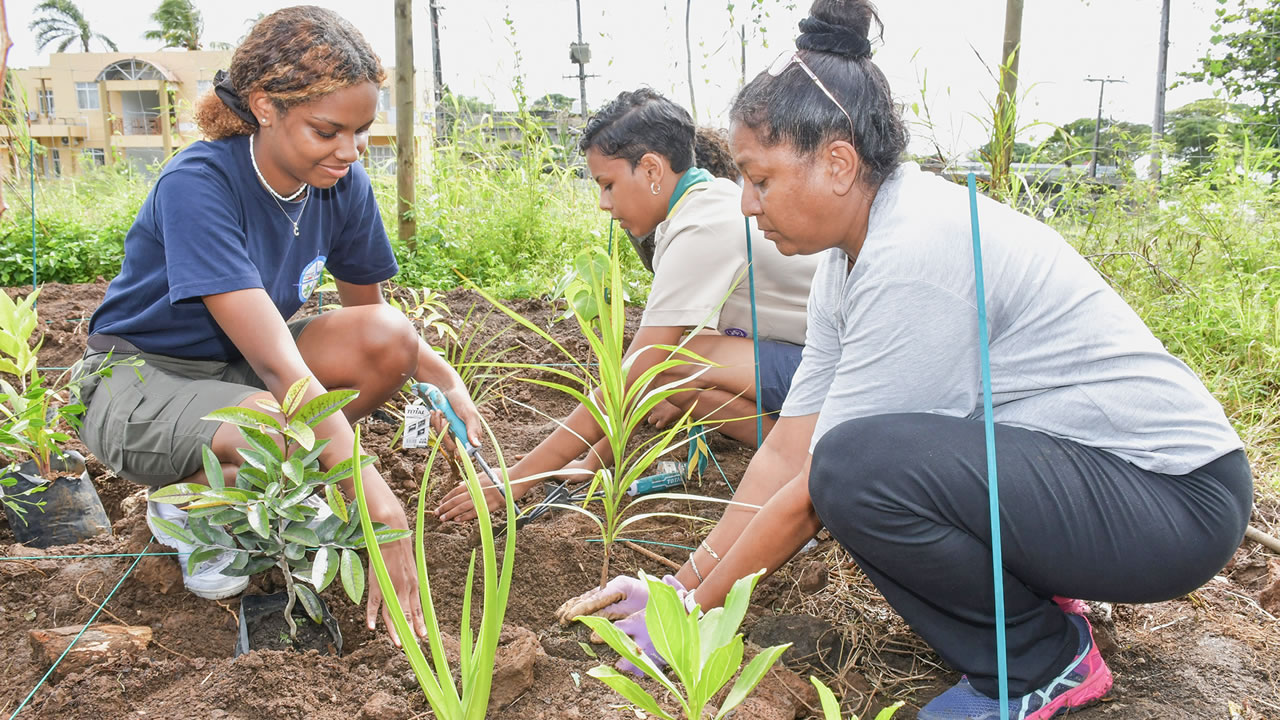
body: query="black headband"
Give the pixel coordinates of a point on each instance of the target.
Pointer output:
(227, 94)
(822, 36)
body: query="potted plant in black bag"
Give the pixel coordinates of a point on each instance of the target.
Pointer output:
(47, 495)
(283, 512)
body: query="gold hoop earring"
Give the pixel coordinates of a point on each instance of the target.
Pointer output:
(655, 188)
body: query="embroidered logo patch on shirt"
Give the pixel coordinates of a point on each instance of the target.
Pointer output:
(310, 278)
(736, 332)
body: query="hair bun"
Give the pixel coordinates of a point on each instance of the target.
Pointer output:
(821, 36)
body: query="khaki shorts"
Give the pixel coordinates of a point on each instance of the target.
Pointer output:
(146, 423)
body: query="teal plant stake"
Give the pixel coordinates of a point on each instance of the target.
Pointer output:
(755, 334)
(993, 487)
(31, 152)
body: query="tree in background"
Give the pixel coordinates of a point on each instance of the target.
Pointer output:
(63, 23)
(553, 101)
(180, 25)
(1120, 143)
(1195, 130)
(1242, 58)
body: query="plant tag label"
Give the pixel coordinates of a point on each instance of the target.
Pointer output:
(415, 425)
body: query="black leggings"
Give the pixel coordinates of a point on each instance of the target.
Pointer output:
(906, 494)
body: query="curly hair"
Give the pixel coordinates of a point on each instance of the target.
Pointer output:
(294, 55)
(711, 153)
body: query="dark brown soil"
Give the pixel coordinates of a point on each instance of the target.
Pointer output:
(1196, 657)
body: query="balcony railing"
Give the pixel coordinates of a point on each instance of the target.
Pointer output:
(137, 123)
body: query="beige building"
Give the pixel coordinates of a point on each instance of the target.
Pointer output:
(105, 107)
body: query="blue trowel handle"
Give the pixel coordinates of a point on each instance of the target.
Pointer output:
(438, 401)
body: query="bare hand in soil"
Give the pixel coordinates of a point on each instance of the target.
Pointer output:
(400, 565)
(457, 507)
(618, 599)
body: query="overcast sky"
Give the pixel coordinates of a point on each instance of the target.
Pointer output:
(928, 44)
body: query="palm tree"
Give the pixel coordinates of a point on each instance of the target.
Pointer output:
(180, 25)
(63, 21)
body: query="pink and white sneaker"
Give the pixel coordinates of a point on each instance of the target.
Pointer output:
(1084, 682)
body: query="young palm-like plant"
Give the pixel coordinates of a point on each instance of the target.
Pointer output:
(63, 23)
(704, 651)
(618, 407)
(469, 698)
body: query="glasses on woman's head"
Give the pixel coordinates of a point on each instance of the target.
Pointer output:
(785, 61)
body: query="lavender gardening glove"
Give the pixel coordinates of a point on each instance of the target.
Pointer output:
(619, 598)
(635, 627)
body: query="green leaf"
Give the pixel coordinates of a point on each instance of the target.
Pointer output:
(673, 636)
(300, 534)
(293, 398)
(294, 551)
(352, 575)
(244, 417)
(257, 517)
(302, 433)
(263, 443)
(307, 598)
(751, 676)
(830, 706)
(888, 712)
(212, 468)
(629, 689)
(324, 405)
(293, 470)
(175, 531)
(336, 503)
(718, 669)
(199, 556)
(719, 625)
(324, 568)
(178, 493)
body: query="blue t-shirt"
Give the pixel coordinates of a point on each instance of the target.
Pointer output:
(209, 226)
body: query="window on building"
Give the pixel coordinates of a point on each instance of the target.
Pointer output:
(384, 104)
(203, 86)
(87, 96)
(380, 159)
(131, 69)
(55, 156)
(46, 102)
(95, 156)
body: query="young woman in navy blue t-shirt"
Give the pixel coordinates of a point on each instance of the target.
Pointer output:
(229, 244)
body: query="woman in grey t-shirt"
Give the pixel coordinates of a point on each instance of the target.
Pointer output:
(1121, 479)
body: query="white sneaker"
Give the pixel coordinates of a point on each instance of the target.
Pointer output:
(207, 581)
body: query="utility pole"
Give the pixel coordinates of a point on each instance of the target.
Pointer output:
(405, 148)
(437, 75)
(688, 57)
(1162, 68)
(1097, 125)
(580, 54)
(582, 65)
(744, 55)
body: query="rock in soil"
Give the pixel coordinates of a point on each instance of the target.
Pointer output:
(518, 648)
(98, 644)
(814, 642)
(813, 577)
(781, 695)
(384, 706)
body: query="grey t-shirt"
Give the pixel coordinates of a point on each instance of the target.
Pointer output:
(899, 333)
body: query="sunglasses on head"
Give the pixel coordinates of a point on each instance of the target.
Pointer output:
(785, 60)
